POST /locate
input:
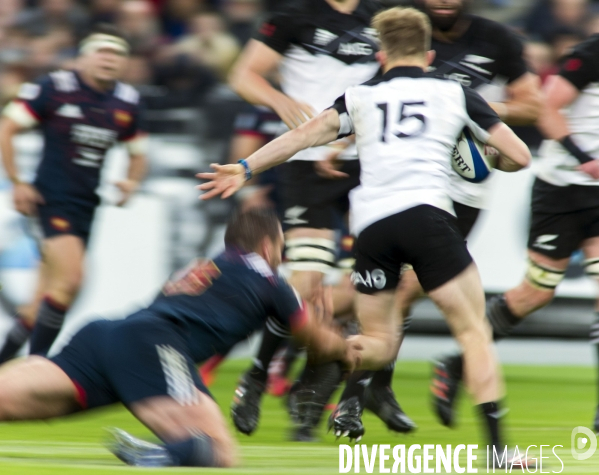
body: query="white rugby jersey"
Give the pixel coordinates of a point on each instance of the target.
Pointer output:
(406, 127)
(556, 166)
(324, 52)
(485, 58)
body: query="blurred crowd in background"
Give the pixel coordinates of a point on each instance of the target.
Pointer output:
(182, 49)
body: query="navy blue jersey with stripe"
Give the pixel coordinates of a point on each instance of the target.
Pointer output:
(79, 125)
(222, 302)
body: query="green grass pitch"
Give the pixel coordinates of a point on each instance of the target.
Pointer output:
(546, 403)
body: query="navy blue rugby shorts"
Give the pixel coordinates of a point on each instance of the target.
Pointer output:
(129, 360)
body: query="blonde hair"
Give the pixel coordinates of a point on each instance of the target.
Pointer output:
(403, 32)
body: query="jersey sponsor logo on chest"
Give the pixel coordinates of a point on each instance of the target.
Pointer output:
(93, 136)
(324, 37)
(71, 111)
(356, 49)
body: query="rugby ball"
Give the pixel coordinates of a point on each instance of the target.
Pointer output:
(472, 159)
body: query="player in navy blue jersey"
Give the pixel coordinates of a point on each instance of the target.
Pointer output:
(147, 361)
(81, 114)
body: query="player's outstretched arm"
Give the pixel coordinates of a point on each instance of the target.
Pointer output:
(248, 79)
(514, 154)
(325, 343)
(228, 179)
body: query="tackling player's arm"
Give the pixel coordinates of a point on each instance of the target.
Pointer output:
(21, 114)
(228, 179)
(577, 71)
(308, 324)
(259, 59)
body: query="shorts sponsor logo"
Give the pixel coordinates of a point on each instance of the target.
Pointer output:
(542, 242)
(60, 224)
(376, 279)
(179, 384)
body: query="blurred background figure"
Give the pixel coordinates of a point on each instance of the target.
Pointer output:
(140, 20)
(40, 20)
(207, 44)
(547, 16)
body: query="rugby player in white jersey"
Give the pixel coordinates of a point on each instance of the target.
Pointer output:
(486, 56)
(316, 48)
(406, 126)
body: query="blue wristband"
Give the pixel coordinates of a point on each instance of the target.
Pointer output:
(248, 172)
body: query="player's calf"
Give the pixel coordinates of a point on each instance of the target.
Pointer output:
(194, 434)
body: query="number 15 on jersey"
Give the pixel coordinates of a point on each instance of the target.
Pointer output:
(408, 123)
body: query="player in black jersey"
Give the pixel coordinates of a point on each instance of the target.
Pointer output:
(486, 56)
(565, 198)
(147, 361)
(82, 114)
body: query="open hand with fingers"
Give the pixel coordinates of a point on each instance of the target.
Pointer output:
(226, 180)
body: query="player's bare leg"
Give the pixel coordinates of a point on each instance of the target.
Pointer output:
(310, 253)
(63, 259)
(194, 434)
(504, 312)
(344, 295)
(25, 320)
(35, 388)
(379, 319)
(462, 302)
